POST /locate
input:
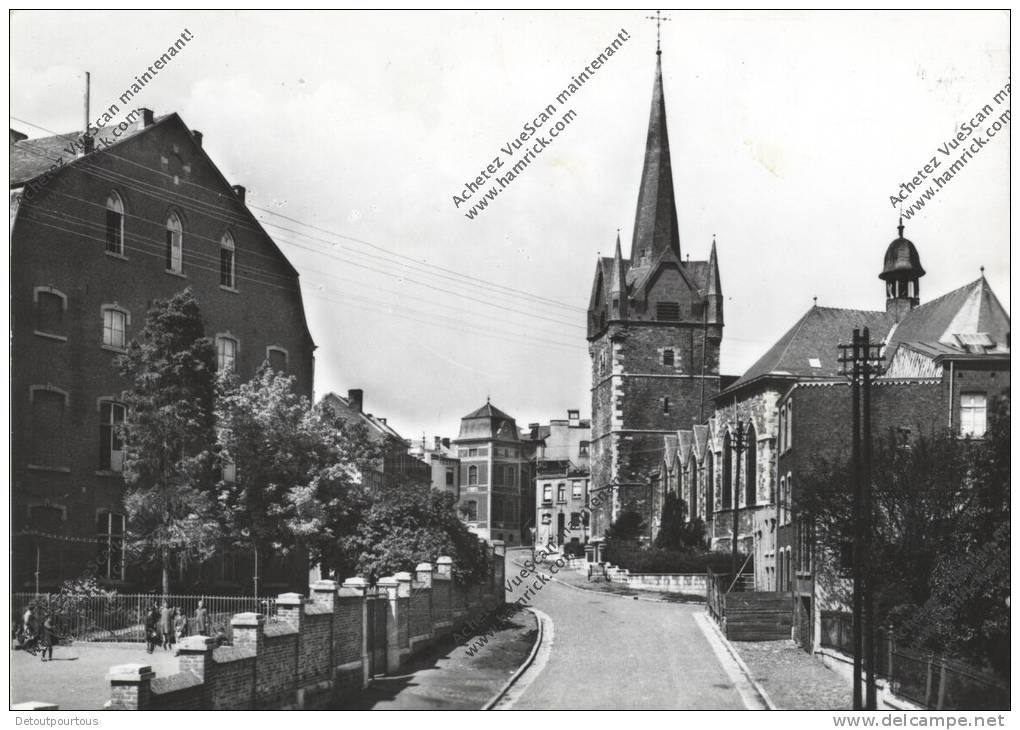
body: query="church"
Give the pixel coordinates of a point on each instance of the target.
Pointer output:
(655, 322)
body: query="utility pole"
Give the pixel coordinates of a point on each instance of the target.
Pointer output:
(738, 447)
(858, 364)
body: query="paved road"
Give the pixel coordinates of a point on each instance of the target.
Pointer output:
(616, 653)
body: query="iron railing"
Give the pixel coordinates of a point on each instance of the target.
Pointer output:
(121, 617)
(925, 678)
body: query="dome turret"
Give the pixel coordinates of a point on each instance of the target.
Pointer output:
(901, 273)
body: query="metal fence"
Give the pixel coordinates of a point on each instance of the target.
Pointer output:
(933, 681)
(121, 617)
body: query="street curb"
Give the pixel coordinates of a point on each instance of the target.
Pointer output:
(524, 666)
(769, 704)
(604, 593)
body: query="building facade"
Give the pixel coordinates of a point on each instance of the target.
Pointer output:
(562, 479)
(493, 474)
(655, 324)
(441, 456)
(96, 237)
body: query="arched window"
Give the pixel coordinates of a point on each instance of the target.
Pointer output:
(227, 261)
(472, 475)
(751, 467)
(174, 244)
(709, 484)
(692, 478)
(114, 224)
(727, 472)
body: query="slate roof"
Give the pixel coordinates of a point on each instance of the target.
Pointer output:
(814, 339)
(30, 158)
(700, 440)
(488, 422)
(342, 408)
(971, 309)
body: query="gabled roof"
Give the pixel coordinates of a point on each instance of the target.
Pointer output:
(342, 408)
(670, 450)
(970, 310)
(810, 349)
(686, 443)
(700, 441)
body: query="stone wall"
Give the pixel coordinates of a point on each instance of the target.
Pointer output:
(315, 651)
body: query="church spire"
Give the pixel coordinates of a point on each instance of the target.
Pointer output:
(618, 284)
(713, 294)
(655, 226)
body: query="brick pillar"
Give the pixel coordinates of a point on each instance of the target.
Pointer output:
(324, 593)
(130, 687)
(195, 655)
(422, 587)
(444, 566)
(249, 631)
(390, 586)
(358, 584)
(290, 607)
(499, 570)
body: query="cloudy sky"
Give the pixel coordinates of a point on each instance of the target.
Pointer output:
(789, 132)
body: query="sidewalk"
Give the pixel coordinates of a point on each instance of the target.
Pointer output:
(571, 577)
(794, 679)
(446, 678)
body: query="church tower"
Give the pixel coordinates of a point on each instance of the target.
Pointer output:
(654, 329)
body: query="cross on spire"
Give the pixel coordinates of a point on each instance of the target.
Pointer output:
(659, 20)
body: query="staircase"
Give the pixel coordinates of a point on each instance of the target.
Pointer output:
(755, 616)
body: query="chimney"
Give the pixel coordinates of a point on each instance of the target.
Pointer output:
(382, 421)
(88, 144)
(574, 417)
(238, 191)
(532, 426)
(446, 443)
(145, 120)
(197, 136)
(17, 136)
(439, 443)
(355, 397)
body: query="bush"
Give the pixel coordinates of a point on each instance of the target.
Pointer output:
(573, 550)
(659, 560)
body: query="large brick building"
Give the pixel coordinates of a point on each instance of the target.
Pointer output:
(494, 474)
(655, 324)
(96, 236)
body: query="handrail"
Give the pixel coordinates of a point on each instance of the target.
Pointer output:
(740, 572)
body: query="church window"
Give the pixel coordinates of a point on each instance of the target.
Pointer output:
(709, 484)
(667, 312)
(667, 358)
(727, 472)
(751, 469)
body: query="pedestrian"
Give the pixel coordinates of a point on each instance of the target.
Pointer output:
(28, 630)
(47, 637)
(180, 623)
(201, 620)
(166, 627)
(151, 628)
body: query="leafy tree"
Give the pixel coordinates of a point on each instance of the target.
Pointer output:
(168, 432)
(407, 523)
(297, 482)
(629, 525)
(675, 532)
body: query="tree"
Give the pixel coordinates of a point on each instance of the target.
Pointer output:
(941, 542)
(407, 523)
(629, 525)
(675, 532)
(168, 434)
(297, 482)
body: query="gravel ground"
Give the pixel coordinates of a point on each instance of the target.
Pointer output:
(76, 678)
(794, 679)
